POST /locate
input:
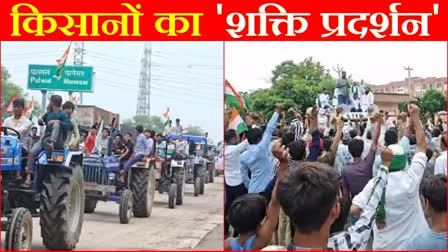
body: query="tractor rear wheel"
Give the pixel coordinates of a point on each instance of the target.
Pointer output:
(172, 196)
(62, 208)
(143, 188)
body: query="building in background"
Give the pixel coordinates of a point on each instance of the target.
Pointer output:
(389, 102)
(419, 86)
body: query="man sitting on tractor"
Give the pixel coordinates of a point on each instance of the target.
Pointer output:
(21, 124)
(161, 146)
(57, 123)
(142, 149)
(181, 146)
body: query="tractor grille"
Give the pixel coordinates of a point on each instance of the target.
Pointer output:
(95, 171)
(95, 174)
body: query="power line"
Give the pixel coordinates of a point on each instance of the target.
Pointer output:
(111, 83)
(193, 83)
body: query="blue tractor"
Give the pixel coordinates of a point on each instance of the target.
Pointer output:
(197, 173)
(135, 194)
(56, 196)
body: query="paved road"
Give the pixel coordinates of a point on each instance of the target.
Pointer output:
(213, 241)
(167, 229)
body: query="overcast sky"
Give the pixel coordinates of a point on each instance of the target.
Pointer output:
(186, 76)
(249, 65)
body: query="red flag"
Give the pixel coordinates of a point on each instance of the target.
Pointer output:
(165, 115)
(9, 107)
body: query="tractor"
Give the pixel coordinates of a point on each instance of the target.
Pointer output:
(103, 182)
(170, 170)
(56, 196)
(196, 167)
(133, 189)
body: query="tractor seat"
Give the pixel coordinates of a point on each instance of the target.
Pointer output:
(158, 159)
(141, 163)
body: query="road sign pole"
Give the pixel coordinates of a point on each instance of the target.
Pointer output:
(44, 108)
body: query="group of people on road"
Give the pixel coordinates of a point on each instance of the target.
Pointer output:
(372, 185)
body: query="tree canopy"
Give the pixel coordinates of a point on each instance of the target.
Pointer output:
(156, 123)
(293, 85)
(432, 101)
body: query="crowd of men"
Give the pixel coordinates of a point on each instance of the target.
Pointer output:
(62, 132)
(369, 185)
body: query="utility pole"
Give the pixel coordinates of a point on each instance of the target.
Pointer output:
(78, 60)
(409, 69)
(144, 90)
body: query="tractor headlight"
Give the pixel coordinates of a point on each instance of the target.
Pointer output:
(111, 176)
(57, 157)
(7, 161)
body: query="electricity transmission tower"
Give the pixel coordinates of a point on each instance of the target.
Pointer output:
(78, 60)
(144, 92)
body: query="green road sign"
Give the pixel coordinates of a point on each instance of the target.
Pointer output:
(72, 78)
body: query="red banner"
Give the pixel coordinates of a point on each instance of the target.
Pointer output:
(223, 20)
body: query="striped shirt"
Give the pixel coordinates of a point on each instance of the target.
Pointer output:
(277, 163)
(297, 126)
(356, 237)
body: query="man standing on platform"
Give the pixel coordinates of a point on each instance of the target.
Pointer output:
(342, 87)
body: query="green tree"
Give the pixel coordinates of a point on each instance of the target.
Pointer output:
(9, 89)
(293, 85)
(153, 122)
(195, 131)
(432, 101)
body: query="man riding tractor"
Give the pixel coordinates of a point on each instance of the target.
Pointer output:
(56, 188)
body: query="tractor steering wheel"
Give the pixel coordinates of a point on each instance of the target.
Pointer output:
(5, 131)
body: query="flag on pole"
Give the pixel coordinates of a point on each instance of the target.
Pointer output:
(61, 62)
(232, 97)
(98, 118)
(166, 117)
(97, 148)
(237, 123)
(74, 99)
(29, 109)
(9, 107)
(184, 130)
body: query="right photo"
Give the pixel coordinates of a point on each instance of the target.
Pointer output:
(335, 145)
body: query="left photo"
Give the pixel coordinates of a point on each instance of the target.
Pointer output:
(112, 145)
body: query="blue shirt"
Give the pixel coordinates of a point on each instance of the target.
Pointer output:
(427, 241)
(141, 145)
(61, 116)
(257, 160)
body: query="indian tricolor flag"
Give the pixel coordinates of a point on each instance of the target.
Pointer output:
(232, 97)
(61, 62)
(236, 122)
(166, 117)
(29, 109)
